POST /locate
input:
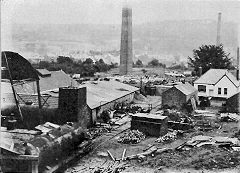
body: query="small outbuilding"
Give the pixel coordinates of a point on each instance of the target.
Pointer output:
(179, 95)
(150, 124)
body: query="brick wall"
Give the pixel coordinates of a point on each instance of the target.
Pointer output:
(72, 105)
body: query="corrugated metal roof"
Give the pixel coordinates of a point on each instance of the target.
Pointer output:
(212, 76)
(186, 88)
(102, 92)
(98, 93)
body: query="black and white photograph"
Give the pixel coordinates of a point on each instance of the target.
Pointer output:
(120, 86)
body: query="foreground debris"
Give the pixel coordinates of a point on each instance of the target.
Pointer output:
(168, 137)
(131, 137)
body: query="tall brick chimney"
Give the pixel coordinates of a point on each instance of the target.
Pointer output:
(219, 29)
(126, 42)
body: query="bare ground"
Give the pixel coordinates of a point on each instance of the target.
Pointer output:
(208, 159)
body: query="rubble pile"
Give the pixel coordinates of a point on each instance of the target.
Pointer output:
(203, 125)
(177, 116)
(168, 137)
(198, 158)
(229, 117)
(131, 137)
(95, 132)
(172, 114)
(200, 140)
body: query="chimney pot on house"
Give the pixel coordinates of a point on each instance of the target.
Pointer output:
(200, 71)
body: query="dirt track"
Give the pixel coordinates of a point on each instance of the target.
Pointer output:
(198, 159)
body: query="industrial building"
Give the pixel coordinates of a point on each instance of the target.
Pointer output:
(103, 95)
(100, 95)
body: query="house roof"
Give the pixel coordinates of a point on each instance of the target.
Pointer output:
(186, 88)
(213, 76)
(102, 92)
(234, 95)
(55, 80)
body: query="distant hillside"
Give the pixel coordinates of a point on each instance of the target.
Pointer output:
(164, 38)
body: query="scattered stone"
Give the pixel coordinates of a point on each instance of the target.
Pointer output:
(168, 137)
(131, 137)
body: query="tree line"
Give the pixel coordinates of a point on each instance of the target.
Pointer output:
(153, 63)
(206, 57)
(210, 56)
(86, 68)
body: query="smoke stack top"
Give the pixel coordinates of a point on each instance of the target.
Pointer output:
(238, 63)
(219, 29)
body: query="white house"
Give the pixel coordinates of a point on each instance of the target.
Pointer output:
(217, 83)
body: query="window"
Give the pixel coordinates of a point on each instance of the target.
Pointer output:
(219, 91)
(225, 91)
(202, 88)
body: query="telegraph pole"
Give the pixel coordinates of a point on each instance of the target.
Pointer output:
(0, 86)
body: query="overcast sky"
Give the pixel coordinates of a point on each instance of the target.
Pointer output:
(109, 11)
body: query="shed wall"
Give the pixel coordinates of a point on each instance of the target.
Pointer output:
(233, 103)
(173, 97)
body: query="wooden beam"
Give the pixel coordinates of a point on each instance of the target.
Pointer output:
(20, 157)
(39, 95)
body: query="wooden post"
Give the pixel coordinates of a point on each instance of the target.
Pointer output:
(34, 166)
(14, 92)
(39, 95)
(39, 102)
(0, 89)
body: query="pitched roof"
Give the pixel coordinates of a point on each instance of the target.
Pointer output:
(98, 93)
(56, 80)
(102, 92)
(186, 88)
(212, 76)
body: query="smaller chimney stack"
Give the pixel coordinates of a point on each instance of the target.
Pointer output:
(238, 63)
(219, 29)
(200, 71)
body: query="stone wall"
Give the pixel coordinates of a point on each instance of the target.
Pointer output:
(173, 97)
